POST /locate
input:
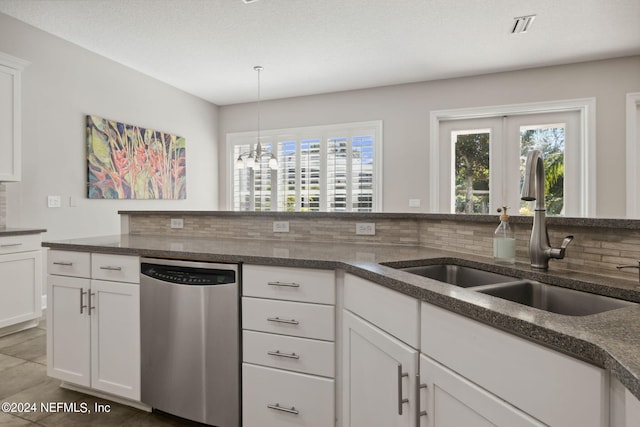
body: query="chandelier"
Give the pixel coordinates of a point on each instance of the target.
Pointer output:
(253, 157)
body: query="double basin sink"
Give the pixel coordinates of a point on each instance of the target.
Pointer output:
(534, 294)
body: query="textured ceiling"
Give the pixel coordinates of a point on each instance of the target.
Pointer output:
(209, 47)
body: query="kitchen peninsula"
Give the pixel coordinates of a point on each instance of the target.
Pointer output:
(609, 341)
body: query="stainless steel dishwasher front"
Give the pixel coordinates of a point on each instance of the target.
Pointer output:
(190, 339)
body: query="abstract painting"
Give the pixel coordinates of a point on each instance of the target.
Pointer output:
(131, 162)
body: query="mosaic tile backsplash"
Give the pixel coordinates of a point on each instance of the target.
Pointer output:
(594, 249)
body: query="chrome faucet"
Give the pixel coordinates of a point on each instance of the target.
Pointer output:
(540, 251)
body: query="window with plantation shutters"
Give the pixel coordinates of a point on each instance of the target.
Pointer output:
(334, 168)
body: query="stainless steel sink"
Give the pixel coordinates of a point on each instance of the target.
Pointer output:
(458, 275)
(553, 298)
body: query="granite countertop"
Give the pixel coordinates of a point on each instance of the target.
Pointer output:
(5, 231)
(610, 340)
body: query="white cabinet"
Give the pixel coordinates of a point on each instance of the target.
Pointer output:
(624, 406)
(10, 117)
(378, 370)
(93, 326)
(379, 374)
(450, 400)
(548, 386)
(288, 321)
(21, 284)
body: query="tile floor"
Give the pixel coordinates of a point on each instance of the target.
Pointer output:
(23, 379)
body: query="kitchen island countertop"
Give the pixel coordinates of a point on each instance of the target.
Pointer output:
(610, 340)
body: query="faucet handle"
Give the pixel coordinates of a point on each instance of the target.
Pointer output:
(558, 253)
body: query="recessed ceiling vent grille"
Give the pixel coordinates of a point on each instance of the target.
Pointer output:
(522, 24)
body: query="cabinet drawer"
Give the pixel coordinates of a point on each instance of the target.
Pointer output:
(118, 268)
(550, 386)
(289, 318)
(21, 243)
(292, 353)
(67, 263)
(272, 397)
(293, 284)
(391, 311)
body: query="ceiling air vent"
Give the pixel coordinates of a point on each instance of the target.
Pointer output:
(522, 23)
(249, 1)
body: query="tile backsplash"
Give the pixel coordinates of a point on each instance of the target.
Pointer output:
(598, 247)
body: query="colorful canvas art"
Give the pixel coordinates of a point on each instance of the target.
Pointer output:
(130, 162)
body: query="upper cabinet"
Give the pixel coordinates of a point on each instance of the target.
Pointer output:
(10, 116)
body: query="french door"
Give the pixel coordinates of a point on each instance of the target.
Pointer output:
(481, 162)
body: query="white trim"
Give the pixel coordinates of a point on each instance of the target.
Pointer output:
(312, 131)
(586, 107)
(13, 66)
(13, 62)
(633, 155)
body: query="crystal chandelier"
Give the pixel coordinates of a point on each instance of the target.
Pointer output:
(253, 157)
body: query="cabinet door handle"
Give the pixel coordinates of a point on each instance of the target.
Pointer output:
(91, 294)
(279, 320)
(110, 267)
(284, 284)
(64, 263)
(277, 407)
(82, 306)
(10, 245)
(401, 400)
(419, 386)
(287, 355)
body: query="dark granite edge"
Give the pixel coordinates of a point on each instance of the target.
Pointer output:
(572, 345)
(20, 231)
(621, 223)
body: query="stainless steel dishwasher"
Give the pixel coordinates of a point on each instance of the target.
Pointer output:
(190, 339)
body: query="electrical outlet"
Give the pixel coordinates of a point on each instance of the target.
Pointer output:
(414, 203)
(280, 226)
(177, 223)
(54, 201)
(366, 228)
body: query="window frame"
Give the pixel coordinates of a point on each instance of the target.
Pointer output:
(322, 132)
(586, 108)
(633, 153)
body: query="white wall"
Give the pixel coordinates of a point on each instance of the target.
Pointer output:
(60, 87)
(405, 110)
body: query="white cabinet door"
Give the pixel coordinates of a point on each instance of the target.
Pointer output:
(20, 287)
(68, 330)
(379, 374)
(115, 338)
(10, 117)
(449, 400)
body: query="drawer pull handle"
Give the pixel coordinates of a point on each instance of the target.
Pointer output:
(82, 294)
(284, 284)
(109, 267)
(279, 320)
(64, 263)
(277, 407)
(401, 400)
(287, 355)
(10, 245)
